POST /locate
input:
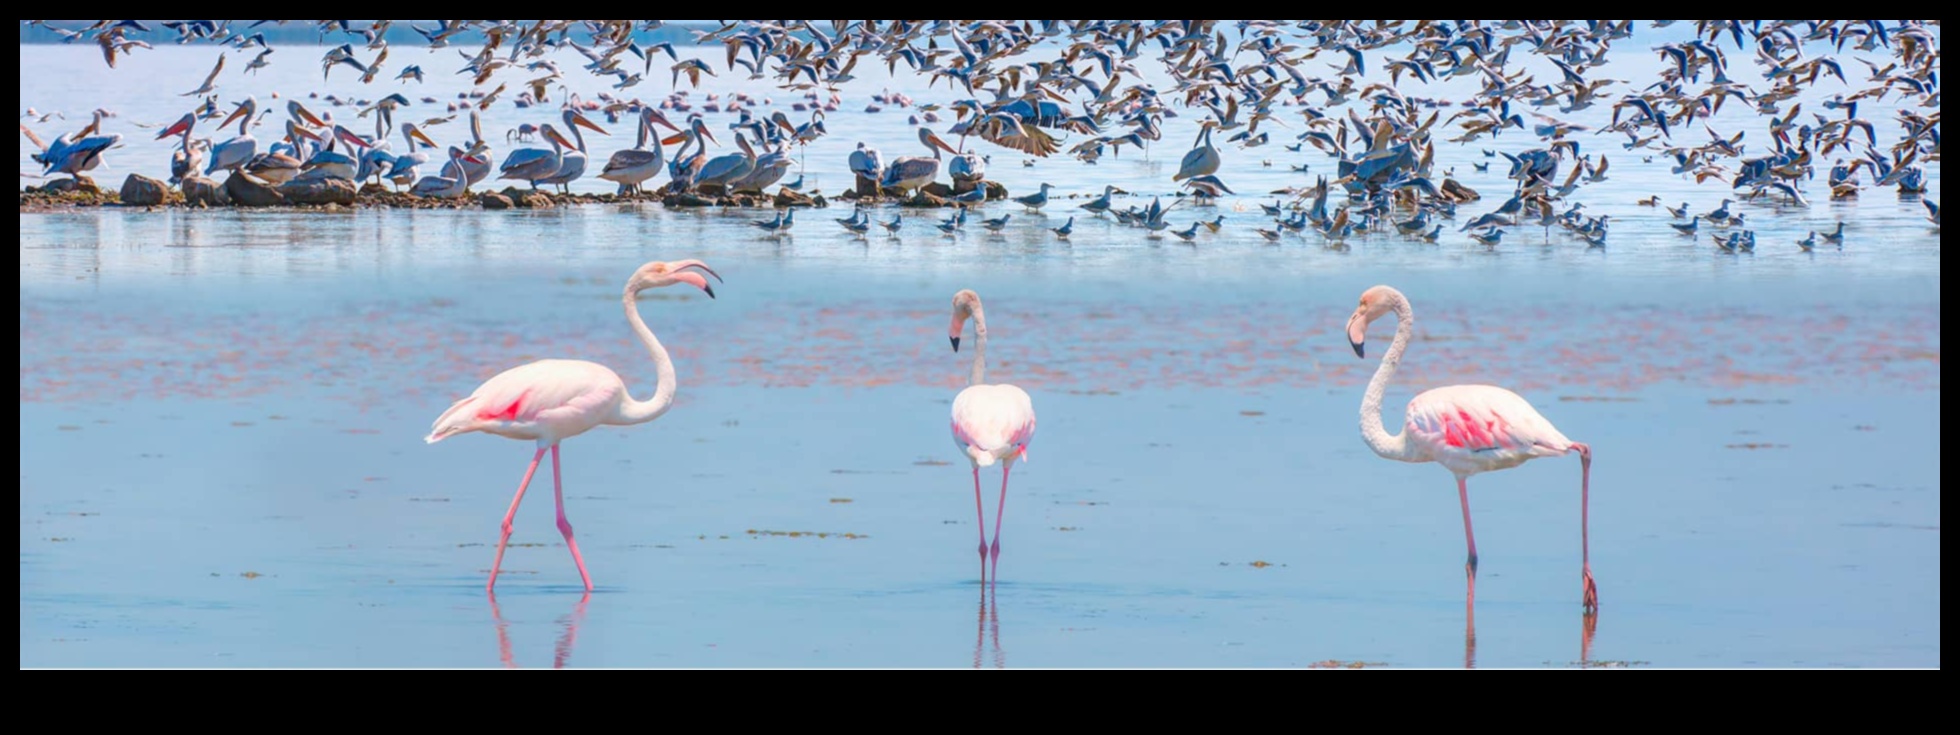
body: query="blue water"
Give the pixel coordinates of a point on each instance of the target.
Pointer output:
(222, 414)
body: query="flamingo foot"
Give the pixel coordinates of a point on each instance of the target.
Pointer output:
(1591, 598)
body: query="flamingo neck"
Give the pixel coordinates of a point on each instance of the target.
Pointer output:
(1384, 444)
(633, 411)
(978, 375)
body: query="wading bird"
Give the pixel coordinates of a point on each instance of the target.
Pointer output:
(991, 423)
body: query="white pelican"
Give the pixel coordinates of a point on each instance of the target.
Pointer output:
(452, 183)
(189, 155)
(238, 151)
(408, 165)
(913, 172)
(1203, 159)
(634, 166)
(536, 164)
(331, 163)
(769, 168)
(571, 164)
(966, 166)
(278, 167)
(724, 170)
(867, 163)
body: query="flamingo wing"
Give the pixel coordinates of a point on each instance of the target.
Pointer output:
(558, 398)
(992, 422)
(1481, 427)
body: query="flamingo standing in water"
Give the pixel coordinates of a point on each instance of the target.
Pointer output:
(991, 423)
(549, 401)
(1465, 428)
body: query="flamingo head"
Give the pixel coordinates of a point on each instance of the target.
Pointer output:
(661, 273)
(1374, 303)
(966, 305)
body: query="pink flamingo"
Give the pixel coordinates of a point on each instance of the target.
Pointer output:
(991, 423)
(1465, 428)
(549, 401)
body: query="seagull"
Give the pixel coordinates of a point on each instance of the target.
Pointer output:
(997, 224)
(1488, 237)
(1034, 202)
(1188, 235)
(1065, 229)
(892, 226)
(209, 79)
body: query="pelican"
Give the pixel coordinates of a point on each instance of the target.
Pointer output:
(1203, 159)
(536, 164)
(867, 163)
(571, 164)
(469, 164)
(634, 166)
(452, 184)
(331, 163)
(186, 159)
(769, 168)
(966, 167)
(277, 167)
(916, 171)
(686, 165)
(236, 152)
(726, 169)
(408, 166)
(1036, 200)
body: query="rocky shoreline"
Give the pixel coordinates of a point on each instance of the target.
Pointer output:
(247, 192)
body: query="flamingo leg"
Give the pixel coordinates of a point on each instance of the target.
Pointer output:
(1591, 595)
(514, 501)
(980, 514)
(1463, 494)
(565, 526)
(998, 512)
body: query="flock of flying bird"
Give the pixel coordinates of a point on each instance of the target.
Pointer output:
(1030, 85)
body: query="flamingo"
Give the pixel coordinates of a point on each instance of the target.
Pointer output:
(549, 401)
(991, 423)
(1467, 429)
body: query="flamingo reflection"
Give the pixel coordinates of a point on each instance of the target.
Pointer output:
(1589, 625)
(989, 625)
(560, 653)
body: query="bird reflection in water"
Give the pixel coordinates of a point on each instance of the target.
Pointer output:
(1589, 624)
(989, 626)
(560, 653)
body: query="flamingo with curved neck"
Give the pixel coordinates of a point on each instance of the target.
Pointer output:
(549, 401)
(991, 423)
(1468, 429)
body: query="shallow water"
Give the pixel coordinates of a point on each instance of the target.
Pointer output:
(222, 414)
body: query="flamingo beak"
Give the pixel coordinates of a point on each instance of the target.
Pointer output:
(953, 332)
(580, 121)
(1357, 330)
(680, 265)
(417, 134)
(694, 279)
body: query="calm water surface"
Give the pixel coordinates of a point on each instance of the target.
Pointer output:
(222, 412)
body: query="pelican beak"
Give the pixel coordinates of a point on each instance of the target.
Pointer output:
(672, 139)
(416, 133)
(659, 119)
(709, 134)
(934, 139)
(554, 135)
(304, 133)
(176, 128)
(475, 160)
(350, 137)
(236, 113)
(580, 121)
(307, 116)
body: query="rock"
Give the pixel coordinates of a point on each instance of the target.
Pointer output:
(493, 200)
(142, 191)
(535, 200)
(203, 192)
(925, 198)
(787, 198)
(866, 188)
(996, 190)
(688, 199)
(78, 183)
(1459, 192)
(318, 191)
(372, 189)
(938, 190)
(246, 191)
